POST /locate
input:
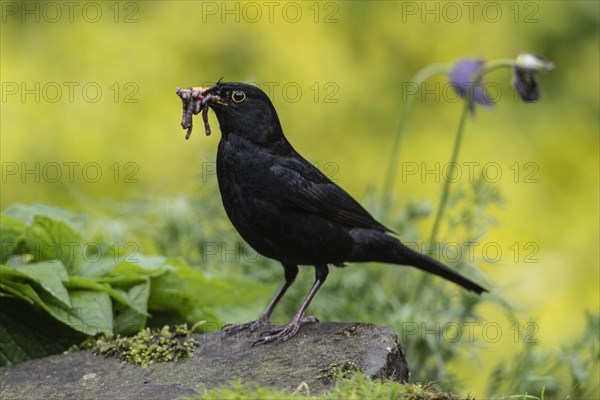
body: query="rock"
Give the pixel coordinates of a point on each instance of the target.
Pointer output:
(312, 357)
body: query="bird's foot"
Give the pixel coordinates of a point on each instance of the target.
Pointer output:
(250, 326)
(284, 333)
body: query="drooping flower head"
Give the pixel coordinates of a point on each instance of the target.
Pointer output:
(525, 79)
(461, 78)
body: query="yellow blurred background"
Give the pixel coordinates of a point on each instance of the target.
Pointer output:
(88, 109)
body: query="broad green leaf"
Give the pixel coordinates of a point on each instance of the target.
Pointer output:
(90, 312)
(12, 236)
(27, 212)
(28, 333)
(101, 267)
(80, 282)
(150, 264)
(93, 310)
(16, 291)
(8, 273)
(50, 239)
(138, 295)
(120, 273)
(7, 295)
(183, 291)
(128, 321)
(127, 274)
(50, 276)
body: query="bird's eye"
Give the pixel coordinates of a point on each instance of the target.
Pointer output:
(238, 96)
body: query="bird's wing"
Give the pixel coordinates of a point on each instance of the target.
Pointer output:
(308, 189)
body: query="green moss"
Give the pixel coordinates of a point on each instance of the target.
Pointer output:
(360, 386)
(146, 347)
(342, 370)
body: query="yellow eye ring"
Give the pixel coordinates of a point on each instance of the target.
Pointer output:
(238, 96)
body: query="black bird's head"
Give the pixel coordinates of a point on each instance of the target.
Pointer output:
(244, 110)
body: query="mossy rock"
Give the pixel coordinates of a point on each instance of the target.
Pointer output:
(313, 357)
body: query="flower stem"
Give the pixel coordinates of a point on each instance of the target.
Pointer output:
(445, 194)
(486, 68)
(418, 80)
(451, 171)
(492, 65)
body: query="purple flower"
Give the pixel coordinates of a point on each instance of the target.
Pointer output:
(461, 76)
(525, 79)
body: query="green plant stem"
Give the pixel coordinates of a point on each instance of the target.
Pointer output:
(488, 67)
(451, 170)
(418, 80)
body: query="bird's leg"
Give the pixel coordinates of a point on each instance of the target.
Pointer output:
(291, 271)
(286, 332)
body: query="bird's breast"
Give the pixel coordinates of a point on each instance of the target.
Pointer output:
(256, 203)
(252, 206)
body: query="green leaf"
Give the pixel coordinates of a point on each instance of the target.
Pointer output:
(182, 293)
(50, 239)
(139, 294)
(12, 236)
(90, 312)
(80, 282)
(8, 273)
(22, 336)
(127, 274)
(17, 291)
(50, 276)
(128, 321)
(101, 267)
(7, 295)
(150, 264)
(26, 213)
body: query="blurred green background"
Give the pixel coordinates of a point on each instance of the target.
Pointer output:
(89, 114)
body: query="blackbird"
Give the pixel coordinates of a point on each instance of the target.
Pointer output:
(284, 207)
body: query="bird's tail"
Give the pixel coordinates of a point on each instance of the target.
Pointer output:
(431, 265)
(374, 245)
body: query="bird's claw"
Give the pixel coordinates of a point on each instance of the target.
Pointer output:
(283, 333)
(229, 329)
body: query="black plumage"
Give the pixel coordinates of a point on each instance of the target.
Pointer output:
(287, 209)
